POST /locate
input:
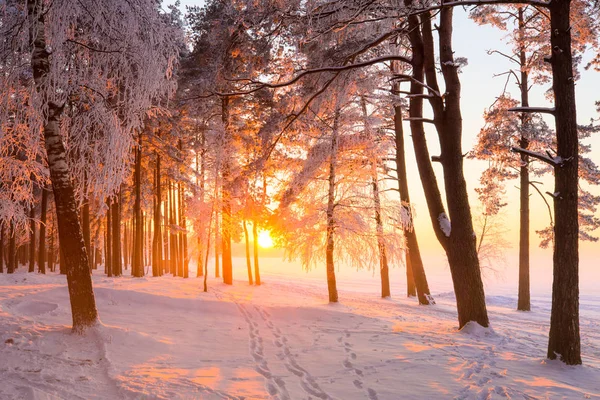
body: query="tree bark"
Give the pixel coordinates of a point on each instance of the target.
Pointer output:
(42, 245)
(116, 237)
(81, 293)
(524, 301)
(565, 341)
(458, 239)
(248, 263)
(12, 259)
(32, 240)
(109, 241)
(255, 251)
(137, 268)
(226, 223)
(383, 263)
(330, 242)
(157, 240)
(1, 247)
(415, 271)
(85, 221)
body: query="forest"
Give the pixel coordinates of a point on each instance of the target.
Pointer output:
(142, 141)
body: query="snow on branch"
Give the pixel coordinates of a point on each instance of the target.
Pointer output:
(547, 158)
(462, 3)
(258, 85)
(543, 110)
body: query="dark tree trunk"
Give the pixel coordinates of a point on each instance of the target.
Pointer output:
(524, 302)
(109, 241)
(12, 259)
(226, 224)
(157, 240)
(565, 341)
(217, 267)
(85, 221)
(255, 251)
(137, 269)
(117, 266)
(1, 247)
(248, 262)
(81, 293)
(415, 271)
(459, 242)
(462, 255)
(330, 242)
(42, 245)
(172, 222)
(32, 240)
(383, 263)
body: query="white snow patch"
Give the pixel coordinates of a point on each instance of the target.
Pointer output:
(163, 338)
(445, 225)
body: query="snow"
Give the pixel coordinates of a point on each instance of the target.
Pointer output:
(445, 225)
(163, 338)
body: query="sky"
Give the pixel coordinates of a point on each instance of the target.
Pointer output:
(479, 90)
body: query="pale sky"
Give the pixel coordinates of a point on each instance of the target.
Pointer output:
(479, 90)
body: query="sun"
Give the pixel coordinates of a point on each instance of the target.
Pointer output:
(264, 240)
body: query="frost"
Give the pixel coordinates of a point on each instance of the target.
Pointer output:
(445, 225)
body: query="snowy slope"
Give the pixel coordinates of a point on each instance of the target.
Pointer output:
(163, 338)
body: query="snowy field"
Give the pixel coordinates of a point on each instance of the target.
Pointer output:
(163, 338)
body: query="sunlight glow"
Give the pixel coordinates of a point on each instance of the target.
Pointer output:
(264, 240)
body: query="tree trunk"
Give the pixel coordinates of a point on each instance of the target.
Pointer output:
(137, 268)
(81, 293)
(42, 245)
(226, 223)
(85, 221)
(383, 263)
(415, 271)
(109, 241)
(255, 251)
(564, 340)
(157, 245)
(12, 259)
(32, 240)
(248, 263)
(524, 302)
(331, 282)
(462, 255)
(456, 232)
(1, 247)
(217, 268)
(116, 237)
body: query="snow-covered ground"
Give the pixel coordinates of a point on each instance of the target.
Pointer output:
(164, 338)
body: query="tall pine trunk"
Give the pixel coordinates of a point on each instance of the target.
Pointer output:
(383, 263)
(524, 301)
(1, 247)
(117, 265)
(255, 251)
(81, 293)
(137, 268)
(157, 240)
(248, 262)
(462, 251)
(226, 223)
(12, 259)
(564, 340)
(108, 269)
(32, 239)
(85, 221)
(330, 242)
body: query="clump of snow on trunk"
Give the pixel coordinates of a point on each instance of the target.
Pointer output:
(445, 225)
